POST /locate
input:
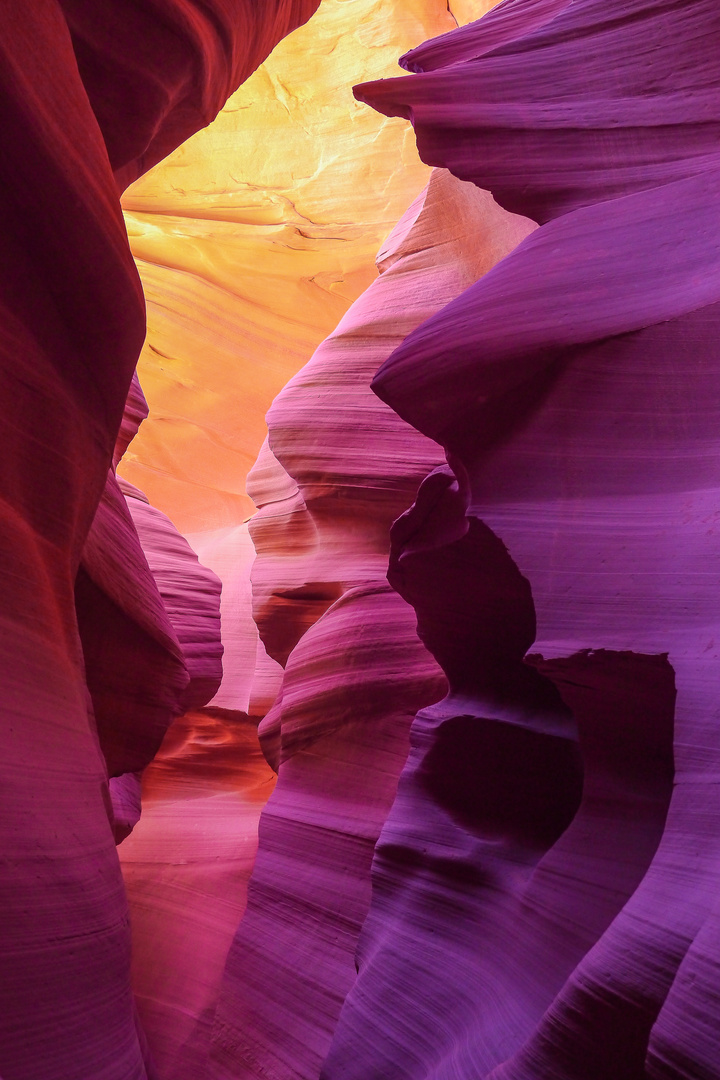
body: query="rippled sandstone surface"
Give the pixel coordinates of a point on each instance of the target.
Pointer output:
(339, 466)
(257, 241)
(72, 329)
(574, 389)
(253, 239)
(544, 861)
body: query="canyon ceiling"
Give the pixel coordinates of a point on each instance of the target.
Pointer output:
(360, 540)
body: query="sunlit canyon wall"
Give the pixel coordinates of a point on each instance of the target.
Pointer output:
(252, 241)
(96, 657)
(474, 609)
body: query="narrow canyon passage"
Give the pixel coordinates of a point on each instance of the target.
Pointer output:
(360, 534)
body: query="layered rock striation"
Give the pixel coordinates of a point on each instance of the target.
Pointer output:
(574, 390)
(338, 467)
(73, 325)
(518, 879)
(253, 239)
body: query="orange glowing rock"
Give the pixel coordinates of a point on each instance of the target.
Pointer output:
(254, 237)
(186, 870)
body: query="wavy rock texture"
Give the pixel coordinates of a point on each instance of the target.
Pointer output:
(186, 867)
(480, 825)
(254, 238)
(150, 630)
(240, 265)
(575, 389)
(72, 328)
(145, 106)
(187, 863)
(354, 668)
(134, 665)
(326, 497)
(344, 722)
(191, 596)
(251, 679)
(65, 1005)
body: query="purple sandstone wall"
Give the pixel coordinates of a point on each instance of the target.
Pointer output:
(531, 891)
(576, 391)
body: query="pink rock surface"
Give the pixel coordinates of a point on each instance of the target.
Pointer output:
(186, 867)
(284, 602)
(72, 328)
(190, 594)
(348, 695)
(574, 389)
(187, 863)
(546, 877)
(354, 667)
(134, 665)
(339, 465)
(136, 410)
(150, 632)
(251, 679)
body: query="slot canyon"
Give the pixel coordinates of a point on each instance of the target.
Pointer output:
(360, 540)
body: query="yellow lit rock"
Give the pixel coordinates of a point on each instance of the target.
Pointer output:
(465, 11)
(255, 236)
